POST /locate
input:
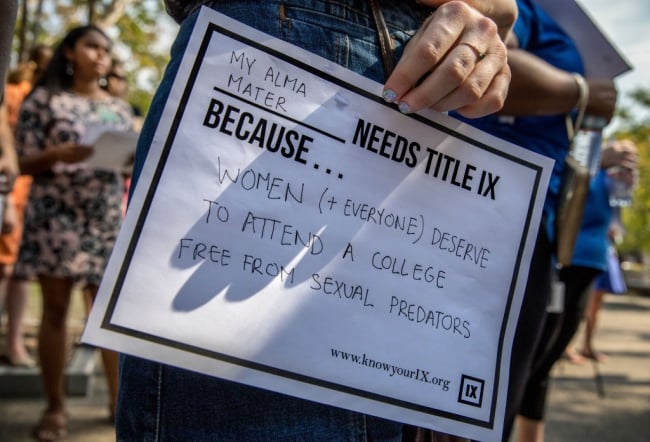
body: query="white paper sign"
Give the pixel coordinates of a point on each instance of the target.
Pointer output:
(292, 231)
(113, 150)
(599, 55)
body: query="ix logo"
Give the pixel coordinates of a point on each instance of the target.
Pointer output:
(471, 391)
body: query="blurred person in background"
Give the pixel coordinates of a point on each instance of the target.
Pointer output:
(13, 190)
(73, 212)
(595, 298)
(8, 163)
(40, 55)
(117, 84)
(16, 352)
(20, 82)
(621, 156)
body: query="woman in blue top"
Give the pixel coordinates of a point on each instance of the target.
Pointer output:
(547, 84)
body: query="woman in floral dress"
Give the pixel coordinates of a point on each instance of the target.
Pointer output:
(73, 214)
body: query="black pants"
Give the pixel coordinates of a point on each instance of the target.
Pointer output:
(558, 331)
(529, 326)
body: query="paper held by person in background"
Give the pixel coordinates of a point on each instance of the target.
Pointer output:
(599, 55)
(113, 149)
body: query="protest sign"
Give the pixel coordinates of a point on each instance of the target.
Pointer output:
(291, 230)
(600, 56)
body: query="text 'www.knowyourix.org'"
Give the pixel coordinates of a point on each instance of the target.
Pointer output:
(392, 370)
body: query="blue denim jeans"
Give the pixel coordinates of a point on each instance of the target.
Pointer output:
(159, 402)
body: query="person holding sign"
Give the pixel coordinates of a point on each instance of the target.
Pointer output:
(453, 58)
(73, 213)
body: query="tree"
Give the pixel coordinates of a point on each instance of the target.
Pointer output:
(134, 25)
(635, 125)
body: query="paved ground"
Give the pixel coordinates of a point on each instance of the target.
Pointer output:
(576, 411)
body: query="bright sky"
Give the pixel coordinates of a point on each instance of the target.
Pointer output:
(625, 22)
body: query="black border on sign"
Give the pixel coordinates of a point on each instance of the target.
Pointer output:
(106, 324)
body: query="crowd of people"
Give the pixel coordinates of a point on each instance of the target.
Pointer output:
(62, 215)
(504, 67)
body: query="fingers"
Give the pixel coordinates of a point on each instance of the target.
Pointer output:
(622, 153)
(422, 54)
(629, 160)
(626, 146)
(627, 151)
(492, 100)
(484, 90)
(503, 12)
(455, 61)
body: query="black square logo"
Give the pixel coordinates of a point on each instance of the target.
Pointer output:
(471, 391)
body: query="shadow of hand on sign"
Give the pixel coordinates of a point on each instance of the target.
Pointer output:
(315, 222)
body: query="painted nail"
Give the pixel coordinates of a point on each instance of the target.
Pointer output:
(389, 95)
(404, 107)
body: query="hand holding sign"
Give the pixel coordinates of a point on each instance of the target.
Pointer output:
(297, 232)
(456, 61)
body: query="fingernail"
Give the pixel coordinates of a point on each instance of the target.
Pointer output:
(404, 107)
(389, 95)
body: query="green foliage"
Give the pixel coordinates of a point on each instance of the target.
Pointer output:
(141, 99)
(138, 32)
(134, 25)
(642, 97)
(636, 218)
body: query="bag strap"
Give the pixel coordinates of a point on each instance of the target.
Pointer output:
(581, 106)
(385, 41)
